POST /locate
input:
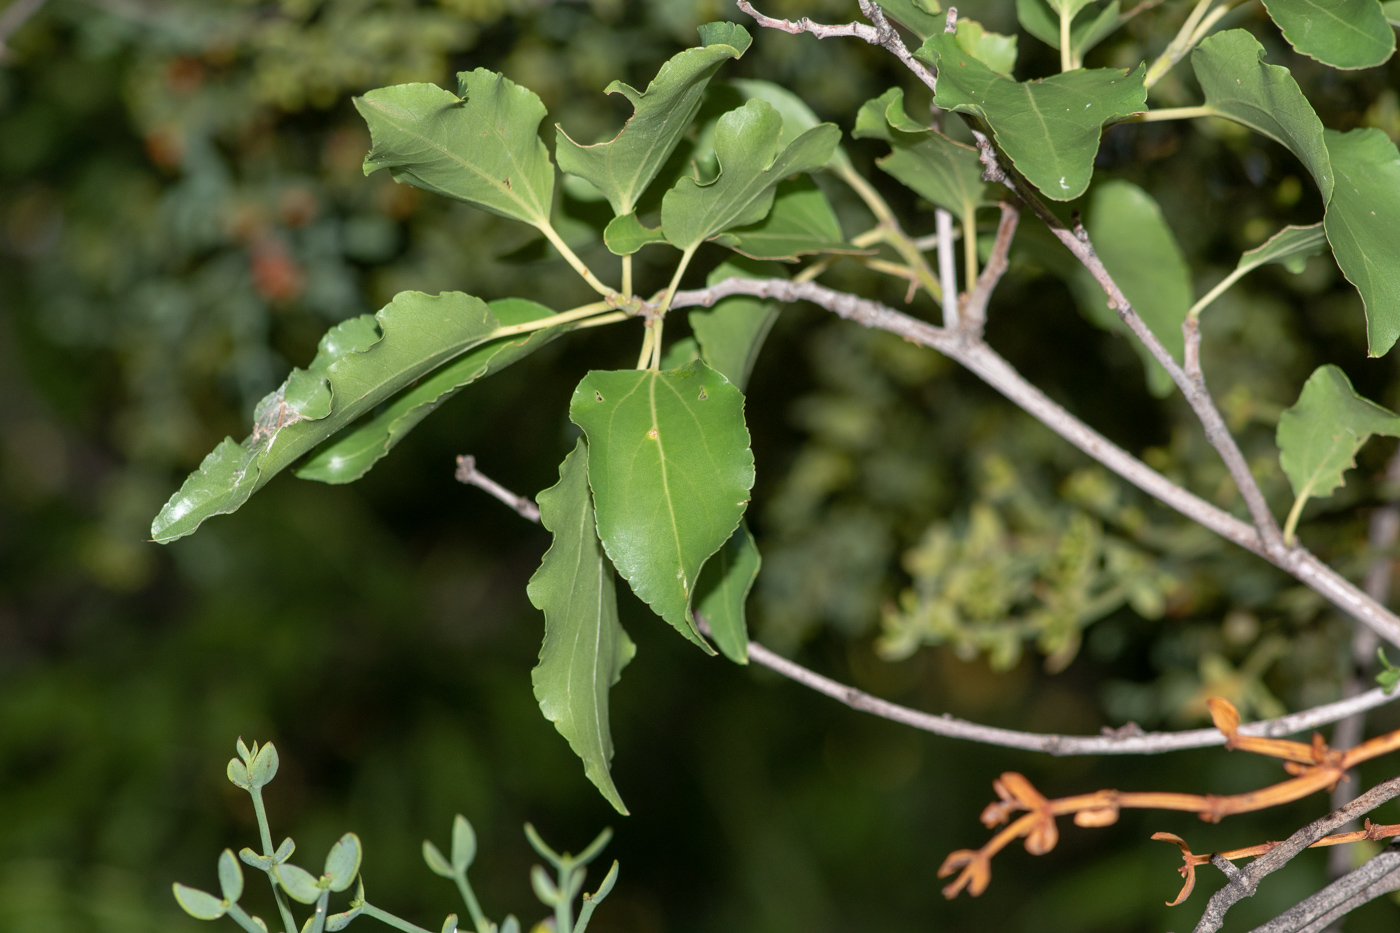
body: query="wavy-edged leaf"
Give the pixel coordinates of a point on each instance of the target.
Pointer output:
(723, 590)
(921, 17)
(1342, 33)
(1139, 250)
(1363, 226)
(585, 647)
(622, 167)
(1239, 85)
(360, 363)
(200, 905)
(996, 51)
(801, 222)
(746, 146)
(346, 458)
(941, 170)
(798, 118)
(1290, 247)
(480, 145)
(230, 876)
(1089, 27)
(1319, 436)
(1049, 128)
(730, 334)
(671, 469)
(625, 234)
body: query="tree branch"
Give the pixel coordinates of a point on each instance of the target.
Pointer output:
(881, 34)
(974, 316)
(468, 473)
(1380, 875)
(1247, 881)
(982, 360)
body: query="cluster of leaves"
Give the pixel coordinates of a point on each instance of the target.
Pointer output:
(254, 769)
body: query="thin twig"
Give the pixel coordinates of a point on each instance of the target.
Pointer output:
(974, 313)
(1247, 882)
(468, 473)
(1128, 741)
(983, 361)
(1380, 875)
(1192, 384)
(16, 15)
(881, 33)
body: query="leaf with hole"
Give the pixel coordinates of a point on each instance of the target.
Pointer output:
(801, 222)
(671, 469)
(1363, 226)
(350, 456)
(480, 145)
(585, 647)
(1318, 437)
(943, 171)
(1342, 33)
(751, 165)
(622, 167)
(1139, 250)
(1049, 128)
(361, 363)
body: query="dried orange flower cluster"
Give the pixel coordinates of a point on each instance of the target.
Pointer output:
(1314, 767)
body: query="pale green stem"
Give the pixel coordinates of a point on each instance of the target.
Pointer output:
(478, 918)
(398, 923)
(1066, 59)
(597, 307)
(1214, 17)
(1216, 292)
(564, 910)
(1178, 47)
(644, 358)
(665, 305)
(572, 259)
(289, 923)
(887, 230)
(1291, 523)
(1173, 113)
(602, 319)
(240, 917)
(627, 276)
(656, 345)
(969, 222)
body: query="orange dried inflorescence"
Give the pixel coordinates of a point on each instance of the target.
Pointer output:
(1313, 766)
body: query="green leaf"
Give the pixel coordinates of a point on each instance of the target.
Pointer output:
(1090, 27)
(801, 222)
(200, 905)
(921, 17)
(943, 171)
(1068, 8)
(625, 234)
(1389, 677)
(623, 167)
(463, 843)
(746, 146)
(1391, 9)
(350, 456)
(724, 589)
(992, 49)
(264, 767)
(1265, 98)
(230, 876)
(362, 362)
(1140, 252)
(732, 332)
(480, 145)
(237, 773)
(1290, 247)
(1049, 128)
(585, 647)
(545, 888)
(671, 469)
(680, 352)
(449, 925)
(1341, 33)
(1363, 225)
(299, 883)
(1319, 436)
(437, 864)
(591, 901)
(798, 118)
(343, 862)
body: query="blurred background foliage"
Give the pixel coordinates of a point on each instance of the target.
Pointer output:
(182, 213)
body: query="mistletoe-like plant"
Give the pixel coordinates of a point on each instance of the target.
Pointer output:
(657, 486)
